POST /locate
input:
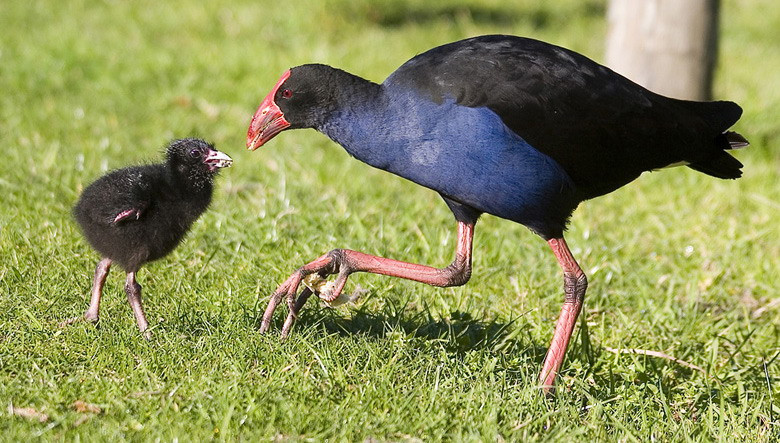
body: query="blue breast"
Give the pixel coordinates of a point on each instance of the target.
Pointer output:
(466, 154)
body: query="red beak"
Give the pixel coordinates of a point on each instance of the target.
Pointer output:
(268, 120)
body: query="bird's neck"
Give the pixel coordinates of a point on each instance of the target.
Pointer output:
(358, 118)
(191, 181)
(350, 92)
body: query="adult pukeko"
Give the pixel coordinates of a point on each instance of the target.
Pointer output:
(138, 214)
(503, 125)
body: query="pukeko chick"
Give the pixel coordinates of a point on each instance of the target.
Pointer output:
(134, 215)
(503, 125)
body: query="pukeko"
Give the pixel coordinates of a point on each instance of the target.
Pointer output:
(138, 214)
(509, 126)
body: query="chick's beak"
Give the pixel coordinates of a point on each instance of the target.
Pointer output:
(217, 159)
(268, 120)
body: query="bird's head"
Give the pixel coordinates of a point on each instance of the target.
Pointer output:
(302, 98)
(195, 156)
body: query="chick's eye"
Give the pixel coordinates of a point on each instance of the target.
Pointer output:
(194, 153)
(287, 93)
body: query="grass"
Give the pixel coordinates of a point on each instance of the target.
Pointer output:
(678, 262)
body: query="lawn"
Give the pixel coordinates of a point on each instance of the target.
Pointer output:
(678, 262)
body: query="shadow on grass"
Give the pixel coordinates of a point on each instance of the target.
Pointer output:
(458, 333)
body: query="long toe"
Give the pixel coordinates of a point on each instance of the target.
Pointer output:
(294, 310)
(70, 321)
(93, 319)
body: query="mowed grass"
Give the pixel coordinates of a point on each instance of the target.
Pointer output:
(678, 262)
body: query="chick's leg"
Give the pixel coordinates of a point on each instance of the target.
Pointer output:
(133, 290)
(92, 313)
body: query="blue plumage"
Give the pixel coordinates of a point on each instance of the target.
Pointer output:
(466, 154)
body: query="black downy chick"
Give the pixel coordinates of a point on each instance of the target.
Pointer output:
(137, 214)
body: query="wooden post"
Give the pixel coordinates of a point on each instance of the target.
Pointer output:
(667, 46)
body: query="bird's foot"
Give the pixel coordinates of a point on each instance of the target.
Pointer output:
(314, 272)
(87, 317)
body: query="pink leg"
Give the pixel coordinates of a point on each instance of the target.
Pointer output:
(92, 313)
(574, 285)
(133, 290)
(345, 262)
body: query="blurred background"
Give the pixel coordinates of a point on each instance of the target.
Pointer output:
(136, 73)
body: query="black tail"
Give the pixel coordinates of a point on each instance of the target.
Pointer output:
(721, 165)
(720, 116)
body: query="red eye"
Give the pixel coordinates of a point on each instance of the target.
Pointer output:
(287, 93)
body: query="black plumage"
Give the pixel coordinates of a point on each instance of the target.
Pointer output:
(137, 214)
